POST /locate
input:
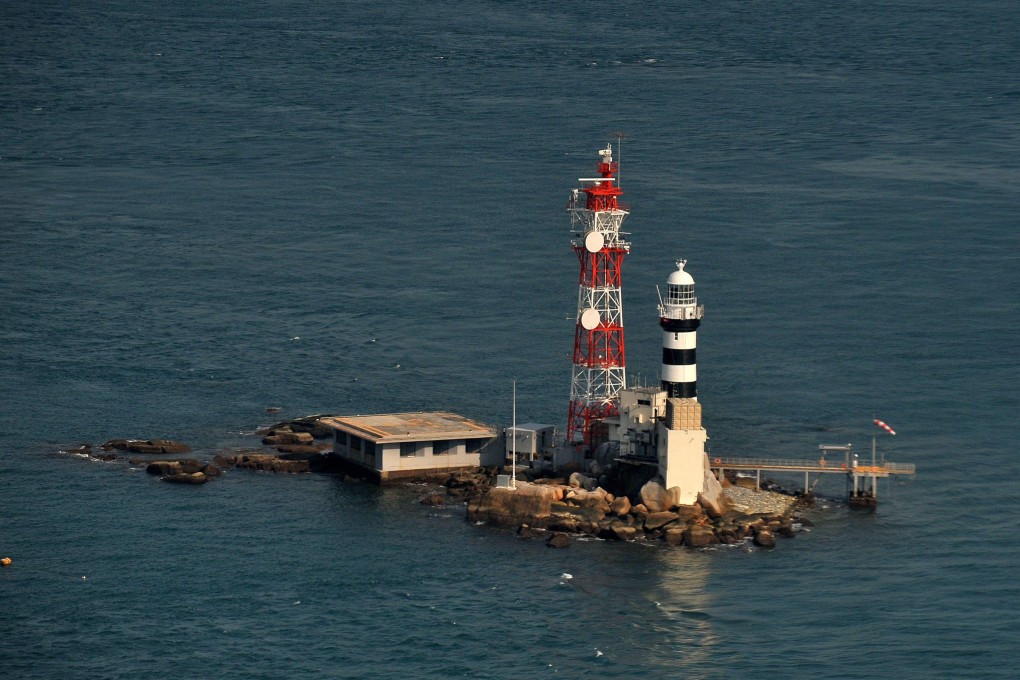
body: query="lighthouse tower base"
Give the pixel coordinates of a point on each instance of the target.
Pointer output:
(681, 449)
(654, 429)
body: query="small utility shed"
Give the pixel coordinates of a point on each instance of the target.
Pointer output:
(390, 446)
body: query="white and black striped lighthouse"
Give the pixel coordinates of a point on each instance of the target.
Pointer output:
(680, 315)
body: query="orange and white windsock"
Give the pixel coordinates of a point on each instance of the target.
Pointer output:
(884, 426)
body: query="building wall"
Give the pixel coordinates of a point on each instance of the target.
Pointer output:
(682, 461)
(421, 455)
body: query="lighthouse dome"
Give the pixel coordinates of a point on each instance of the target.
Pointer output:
(680, 277)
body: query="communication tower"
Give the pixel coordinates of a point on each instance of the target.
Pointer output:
(599, 364)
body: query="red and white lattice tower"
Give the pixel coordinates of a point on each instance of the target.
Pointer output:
(599, 371)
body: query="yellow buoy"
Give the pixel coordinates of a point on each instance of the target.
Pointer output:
(6, 561)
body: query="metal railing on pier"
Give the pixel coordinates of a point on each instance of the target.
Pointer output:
(880, 469)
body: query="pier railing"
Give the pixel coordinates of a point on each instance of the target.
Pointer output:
(800, 465)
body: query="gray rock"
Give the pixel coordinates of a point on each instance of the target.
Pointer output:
(620, 506)
(529, 532)
(657, 520)
(558, 540)
(698, 536)
(186, 478)
(765, 539)
(674, 536)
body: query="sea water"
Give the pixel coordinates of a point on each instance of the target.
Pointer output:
(211, 209)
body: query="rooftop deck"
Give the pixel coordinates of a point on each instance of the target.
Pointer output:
(400, 427)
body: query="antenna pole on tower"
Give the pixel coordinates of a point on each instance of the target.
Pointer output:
(513, 445)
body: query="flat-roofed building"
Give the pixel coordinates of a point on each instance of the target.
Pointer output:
(390, 446)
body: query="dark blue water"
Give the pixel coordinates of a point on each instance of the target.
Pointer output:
(208, 209)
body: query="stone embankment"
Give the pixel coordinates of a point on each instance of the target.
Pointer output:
(554, 509)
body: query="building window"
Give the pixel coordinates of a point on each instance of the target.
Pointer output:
(355, 443)
(474, 445)
(408, 449)
(441, 448)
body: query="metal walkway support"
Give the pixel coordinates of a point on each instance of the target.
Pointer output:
(862, 480)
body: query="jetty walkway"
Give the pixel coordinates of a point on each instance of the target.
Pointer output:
(859, 490)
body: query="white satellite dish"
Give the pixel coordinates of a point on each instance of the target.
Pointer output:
(594, 241)
(590, 319)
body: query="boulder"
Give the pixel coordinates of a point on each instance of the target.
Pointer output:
(674, 536)
(146, 446)
(302, 449)
(186, 478)
(279, 437)
(432, 499)
(583, 481)
(596, 499)
(530, 532)
(558, 540)
(163, 467)
(211, 470)
(765, 539)
(688, 512)
(620, 506)
(658, 498)
(308, 424)
(639, 511)
(712, 498)
(622, 532)
(587, 514)
(657, 520)
(697, 536)
(565, 524)
(269, 463)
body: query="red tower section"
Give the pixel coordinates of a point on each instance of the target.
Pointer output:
(599, 360)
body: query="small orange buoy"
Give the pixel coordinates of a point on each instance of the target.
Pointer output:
(6, 561)
(718, 460)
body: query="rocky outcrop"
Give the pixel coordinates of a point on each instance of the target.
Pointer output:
(173, 467)
(279, 438)
(540, 508)
(157, 446)
(186, 478)
(269, 463)
(305, 424)
(529, 504)
(468, 485)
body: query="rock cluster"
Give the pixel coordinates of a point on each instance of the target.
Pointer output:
(548, 509)
(469, 485)
(158, 446)
(184, 471)
(305, 425)
(264, 462)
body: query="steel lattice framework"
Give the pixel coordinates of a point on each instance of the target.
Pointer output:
(599, 363)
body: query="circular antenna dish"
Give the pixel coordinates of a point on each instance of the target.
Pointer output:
(590, 319)
(594, 241)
